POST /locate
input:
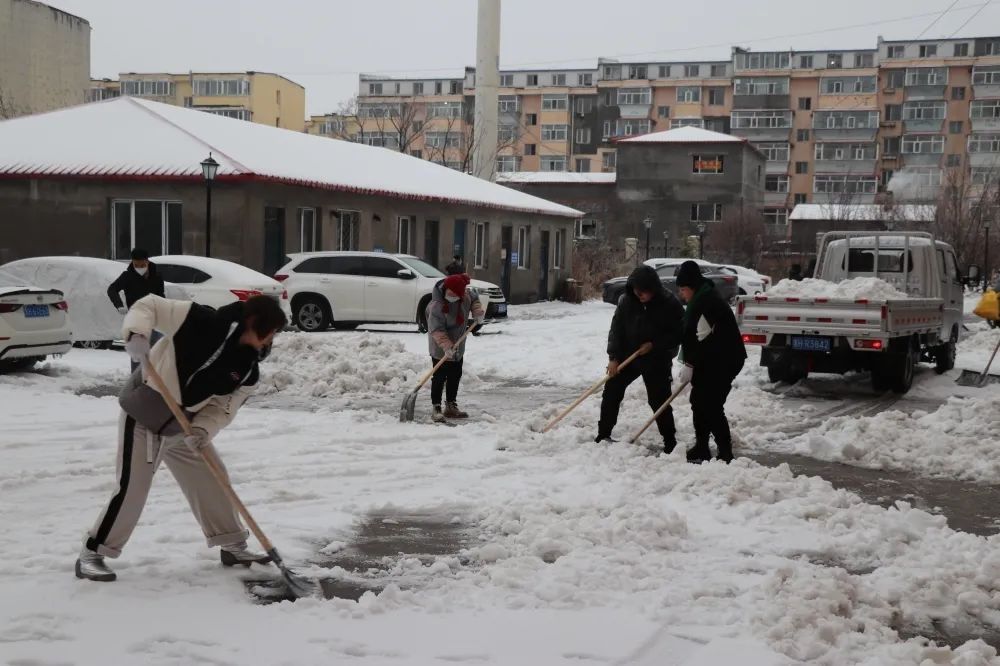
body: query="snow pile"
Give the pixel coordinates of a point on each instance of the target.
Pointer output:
(869, 288)
(307, 364)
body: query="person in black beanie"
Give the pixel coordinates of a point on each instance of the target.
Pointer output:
(648, 320)
(713, 354)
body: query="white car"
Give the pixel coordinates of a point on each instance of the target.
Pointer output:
(217, 282)
(345, 289)
(84, 281)
(750, 281)
(33, 323)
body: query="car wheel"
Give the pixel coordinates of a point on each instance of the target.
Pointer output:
(312, 315)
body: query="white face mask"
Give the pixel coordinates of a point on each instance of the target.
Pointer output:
(141, 271)
(451, 298)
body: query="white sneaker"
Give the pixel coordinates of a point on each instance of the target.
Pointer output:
(91, 566)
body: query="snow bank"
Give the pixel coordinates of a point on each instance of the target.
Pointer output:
(855, 288)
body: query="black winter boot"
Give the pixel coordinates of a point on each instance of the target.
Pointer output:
(239, 554)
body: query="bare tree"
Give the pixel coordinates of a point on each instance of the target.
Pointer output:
(738, 238)
(964, 208)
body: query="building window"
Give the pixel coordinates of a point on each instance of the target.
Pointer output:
(445, 110)
(774, 152)
(982, 109)
(834, 61)
(555, 102)
(801, 167)
(637, 72)
(984, 143)
(990, 48)
(760, 86)
(855, 84)
(961, 50)
(956, 127)
(923, 144)
(895, 51)
(777, 216)
(582, 165)
(455, 87)
(507, 104)
(481, 245)
(586, 79)
(405, 236)
(890, 146)
(802, 135)
(716, 96)
(763, 60)
(611, 72)
(442, 140)
(928, 50)
(307, 229)
(585, 229)
(609, 161)
(348, 229)
(532, 79)
(799, 198)
(331, 127)
(582, 135)
(237, 114)
(663, 112)
(558, 248)
(719, 71)
(663, 71)
(864, 59)
(418, 88)
(805, 62)
(845, 151)
(924, 110)
(506, 135)
(958, 93)
(845, 120)
(438, 87)
(523, 247)
(776, 183)
(708, 164)
(692, 71)
(584, 105)
(896, 78)
(689, 94)
(553, 163)
(954, 160)
(984, 175)
(927, 76)
(529, 149)
(146, 88)
(634, 127)
(506, 80)
(845, 184)
(554, 132)
(687, 122)
(154, 226)
(805, 103)
(634, 96)
(558, 79)
(507, 163)
(374, 88)
(223, 87)
(893, 112)
(762, 119)
(706, 212)
(531, 119)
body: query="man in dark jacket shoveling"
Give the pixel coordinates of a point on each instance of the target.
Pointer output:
(208, 362)
(713, 354)
(648, 320)
(454, 306)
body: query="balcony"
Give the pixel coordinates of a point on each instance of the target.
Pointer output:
(777, 102)
(853, 167)
(923, 125)
(634, 110)
(986, 160)
(986, 124)
(986, 82)
(776, 167)
(775, 198)
(922, 159)
(843, 198)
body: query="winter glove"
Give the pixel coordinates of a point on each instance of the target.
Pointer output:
(122, 310)
(687, 372)
(137, 347)
(449, 353)
(197, 439)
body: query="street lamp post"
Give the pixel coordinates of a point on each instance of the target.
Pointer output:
(209, 167)
(666, 243)
(648, 223)
(986, 262)
(701, 240)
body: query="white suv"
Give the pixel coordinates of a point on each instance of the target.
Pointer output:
(345, 289)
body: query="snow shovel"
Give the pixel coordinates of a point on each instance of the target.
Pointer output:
(586, 394)
(410, 401)
(298, 585)
(656, 414)
(978, 379)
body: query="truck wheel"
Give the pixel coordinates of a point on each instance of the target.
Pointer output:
(904, 367)
(944, 355)
(776, 373)
(880, 383)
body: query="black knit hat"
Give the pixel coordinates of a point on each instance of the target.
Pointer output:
(139, 254)
(689, 275)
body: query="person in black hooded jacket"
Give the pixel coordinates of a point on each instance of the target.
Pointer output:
(139, 280)
(648, 319)
(713, 354)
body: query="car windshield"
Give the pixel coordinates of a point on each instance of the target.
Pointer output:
(669, 270)
(421, 267)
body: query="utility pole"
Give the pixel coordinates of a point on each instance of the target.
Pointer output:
(484, 128)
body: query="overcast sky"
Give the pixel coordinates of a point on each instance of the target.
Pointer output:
(325, 44)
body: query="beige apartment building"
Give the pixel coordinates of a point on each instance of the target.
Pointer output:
(260, 97)
(44, 58)
(836, 126)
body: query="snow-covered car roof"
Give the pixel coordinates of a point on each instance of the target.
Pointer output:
(136, 138)
(220, 269)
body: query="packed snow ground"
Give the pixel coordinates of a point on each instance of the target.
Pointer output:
(587, 554)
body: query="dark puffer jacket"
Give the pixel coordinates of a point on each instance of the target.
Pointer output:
(659, 321)
(135, 286)
(712, 344)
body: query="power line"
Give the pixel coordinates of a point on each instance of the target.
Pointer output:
(939, 17)
(974, 15)
(685, 49)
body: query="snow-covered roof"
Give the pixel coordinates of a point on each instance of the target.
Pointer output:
(688, 134)
(864, 212)
(135, 138)
(562, 177)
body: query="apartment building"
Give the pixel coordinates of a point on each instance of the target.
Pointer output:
(260, 97)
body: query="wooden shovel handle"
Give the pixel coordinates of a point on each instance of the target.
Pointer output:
(206, 454)
(657, 413)
(588, 393)
(437, 365)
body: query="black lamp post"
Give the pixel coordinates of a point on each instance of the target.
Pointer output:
(648, 223)
(666, 243)
(209, 168)
(701, 240)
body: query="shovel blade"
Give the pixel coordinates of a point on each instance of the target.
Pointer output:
(976, 379)
(408, 407)
(299, 586)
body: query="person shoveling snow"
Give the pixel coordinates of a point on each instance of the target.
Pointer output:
(452, 304)
(209, 361)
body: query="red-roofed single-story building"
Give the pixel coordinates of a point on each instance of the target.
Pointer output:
(99, 179)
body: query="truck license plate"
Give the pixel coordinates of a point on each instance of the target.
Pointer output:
(501, 308)
(36, 311)
(809, 343)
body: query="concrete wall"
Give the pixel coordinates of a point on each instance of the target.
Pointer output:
(73, 217)
(44, 57)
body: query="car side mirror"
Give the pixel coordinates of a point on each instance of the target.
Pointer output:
(405, 274)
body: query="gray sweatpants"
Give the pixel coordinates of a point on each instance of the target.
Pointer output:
(139, 454)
